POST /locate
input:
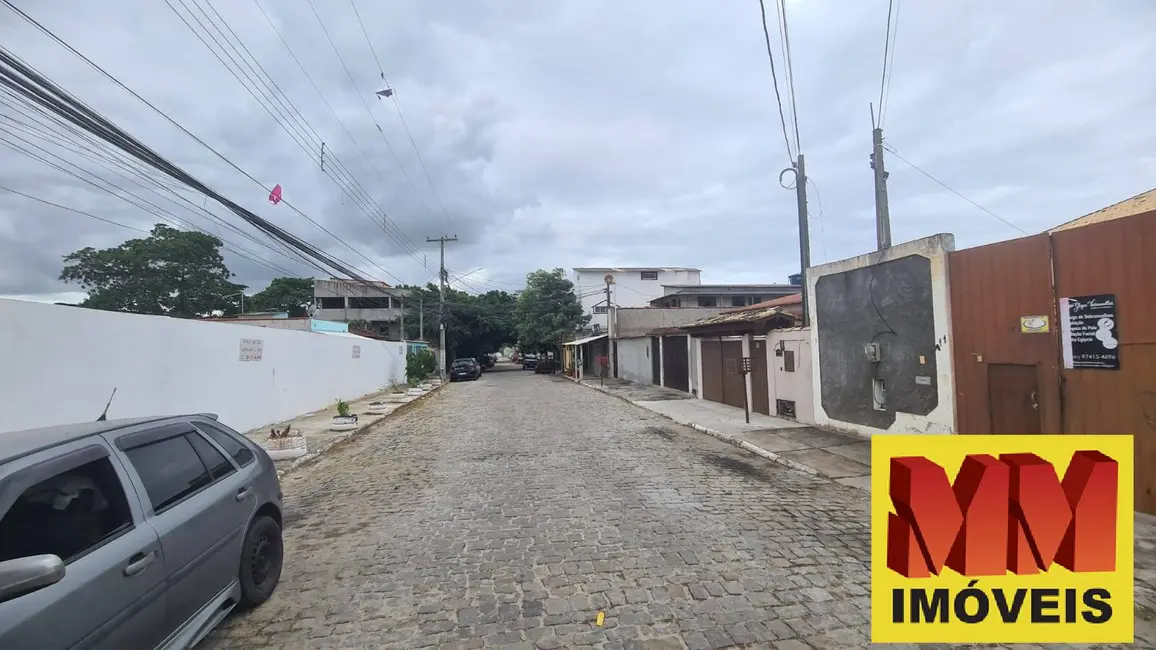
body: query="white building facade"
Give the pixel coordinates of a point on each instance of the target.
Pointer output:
(632, 287)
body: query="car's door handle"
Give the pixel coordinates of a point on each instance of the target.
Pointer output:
(244, 493)
(139, 562)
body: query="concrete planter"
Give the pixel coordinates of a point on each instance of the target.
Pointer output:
(414, 392)
(378, 408)
(346, 423)
(395, 397)
(286, 448)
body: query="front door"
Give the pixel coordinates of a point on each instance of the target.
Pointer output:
(1013, 392)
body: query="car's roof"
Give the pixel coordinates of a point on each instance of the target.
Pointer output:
(14, 444)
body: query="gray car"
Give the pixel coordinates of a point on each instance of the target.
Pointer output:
(126, 534)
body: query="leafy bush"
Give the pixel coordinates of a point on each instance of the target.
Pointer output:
(342, 408)
(419, 366)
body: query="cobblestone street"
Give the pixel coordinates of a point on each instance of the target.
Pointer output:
(509, 511)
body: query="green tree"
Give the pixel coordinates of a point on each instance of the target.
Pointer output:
(170, 272)
(548, 311)
(475, 325)
(292, 295)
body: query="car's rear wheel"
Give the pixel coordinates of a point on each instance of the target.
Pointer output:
(261, 560)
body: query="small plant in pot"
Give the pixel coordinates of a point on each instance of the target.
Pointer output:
(284, 443)
(343, 421)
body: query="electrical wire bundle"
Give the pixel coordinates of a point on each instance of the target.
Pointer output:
(25, 81)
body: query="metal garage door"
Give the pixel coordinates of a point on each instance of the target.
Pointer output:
(721, 380)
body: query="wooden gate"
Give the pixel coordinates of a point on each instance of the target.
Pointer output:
(992, 288)
(1116, 257)
(676, 363)
(712, 370)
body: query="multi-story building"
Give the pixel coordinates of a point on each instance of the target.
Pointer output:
(721, 295)
(377, 304)
(632, 287)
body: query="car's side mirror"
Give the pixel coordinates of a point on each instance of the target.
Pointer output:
(27, 574)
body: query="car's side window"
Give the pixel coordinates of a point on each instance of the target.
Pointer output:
(241, 454)
(66, 515)
(170, 469)
(214, 460)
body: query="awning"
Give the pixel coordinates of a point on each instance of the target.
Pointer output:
(587, 340)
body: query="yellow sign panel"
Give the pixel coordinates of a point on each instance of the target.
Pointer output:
(1001, 539)
(1034, 325)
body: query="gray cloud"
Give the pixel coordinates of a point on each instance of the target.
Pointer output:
(577, 133)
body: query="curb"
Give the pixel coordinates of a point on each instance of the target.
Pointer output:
(727, 438)
(346, 437)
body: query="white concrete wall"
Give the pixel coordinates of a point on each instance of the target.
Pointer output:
(59, 364)
(942, 418)
(628, 290)
(797, 386)
(634, 360)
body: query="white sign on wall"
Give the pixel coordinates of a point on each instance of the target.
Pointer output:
(357, 352)
(252, 349)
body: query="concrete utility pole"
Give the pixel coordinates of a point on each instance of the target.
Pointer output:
(421, 318)
(441, 241)
(609, 328)
(882, 214)
(800, 171)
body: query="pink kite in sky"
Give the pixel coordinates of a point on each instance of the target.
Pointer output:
(275, 195)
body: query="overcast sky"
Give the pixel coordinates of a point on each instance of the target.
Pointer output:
(587, 132)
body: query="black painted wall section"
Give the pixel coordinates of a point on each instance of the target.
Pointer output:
(890, 304)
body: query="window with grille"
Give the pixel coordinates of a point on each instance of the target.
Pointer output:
(707, 301)
(599, 309)
(650, 275)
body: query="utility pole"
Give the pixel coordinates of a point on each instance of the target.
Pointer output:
(421, 318)
(882, 213)
(609, 328)
(441, 241)
(800, 171)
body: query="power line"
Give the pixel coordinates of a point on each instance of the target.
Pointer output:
(397, 104)
(93, 150)
(41, 90)
(822, 228)
(80, 113)
(294, 124)
(775, 79)
(369, 112)
(786, 36)
(407, 244)
(888, 56)
(953, 191)
(64, 207)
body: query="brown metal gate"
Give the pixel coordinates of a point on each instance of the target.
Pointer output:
(676, 363)
(1116, 257)
(992, 288)
(721, 380)
(760, 386)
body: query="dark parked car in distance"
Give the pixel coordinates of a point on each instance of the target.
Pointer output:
(529, 361)
(466, 368)
(139, 533)
(486, 361)
(546, 366)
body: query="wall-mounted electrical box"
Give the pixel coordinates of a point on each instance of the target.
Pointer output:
(874, 352)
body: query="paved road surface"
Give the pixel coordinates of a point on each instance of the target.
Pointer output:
(507, 512)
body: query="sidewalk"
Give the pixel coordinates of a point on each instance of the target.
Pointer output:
(315, 427)
(841, 457)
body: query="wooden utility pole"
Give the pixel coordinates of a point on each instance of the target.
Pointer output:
(421, 318)
(442, 277)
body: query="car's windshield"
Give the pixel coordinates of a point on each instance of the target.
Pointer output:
(464, 362)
